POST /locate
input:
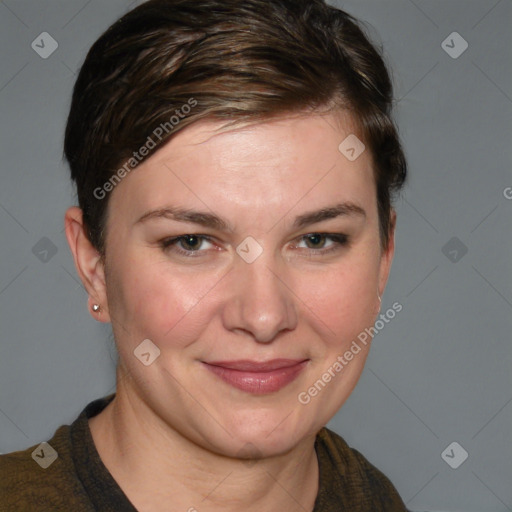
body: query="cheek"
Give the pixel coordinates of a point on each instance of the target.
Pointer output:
(154, 302)
(343, 302)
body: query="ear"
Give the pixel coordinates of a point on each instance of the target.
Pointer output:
(88, 262)
(387, 254)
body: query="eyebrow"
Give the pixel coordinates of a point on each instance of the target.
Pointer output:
(331, 212)
(204, 219)
(212, 221)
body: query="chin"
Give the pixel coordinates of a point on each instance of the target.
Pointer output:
(268, 432)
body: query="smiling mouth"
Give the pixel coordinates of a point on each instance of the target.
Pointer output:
(258, 377)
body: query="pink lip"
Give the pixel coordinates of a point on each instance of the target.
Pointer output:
(258, 378)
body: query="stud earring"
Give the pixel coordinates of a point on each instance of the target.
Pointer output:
(95, 307)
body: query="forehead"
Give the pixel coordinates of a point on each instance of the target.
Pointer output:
(274, 163)
(306, 132)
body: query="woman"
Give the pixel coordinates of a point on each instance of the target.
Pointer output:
(235, 164)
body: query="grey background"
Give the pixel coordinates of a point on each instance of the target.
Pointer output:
(438, 372)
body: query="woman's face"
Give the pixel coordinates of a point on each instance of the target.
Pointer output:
(280, 258)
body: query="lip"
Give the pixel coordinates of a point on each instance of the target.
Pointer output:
(258, 377)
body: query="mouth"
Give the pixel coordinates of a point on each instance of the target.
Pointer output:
(258, 377)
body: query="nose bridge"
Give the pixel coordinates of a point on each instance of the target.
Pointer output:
(263, 305)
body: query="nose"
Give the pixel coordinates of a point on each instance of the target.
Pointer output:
(260, 303)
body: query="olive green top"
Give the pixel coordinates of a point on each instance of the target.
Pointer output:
(76, 480)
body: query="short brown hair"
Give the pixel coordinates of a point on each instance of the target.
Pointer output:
(238, 61)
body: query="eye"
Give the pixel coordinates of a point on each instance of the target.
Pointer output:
(187, 245)
(317, 242)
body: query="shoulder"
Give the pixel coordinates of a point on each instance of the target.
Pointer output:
(346, 470)
(40, 477)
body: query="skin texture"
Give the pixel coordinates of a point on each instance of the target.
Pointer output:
(175, 431)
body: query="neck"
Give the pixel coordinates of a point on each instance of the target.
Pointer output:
(153, 462)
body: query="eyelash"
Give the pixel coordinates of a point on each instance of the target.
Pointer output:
(341, 240)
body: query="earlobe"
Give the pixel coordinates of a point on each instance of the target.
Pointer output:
(378, 304)
(88, 263)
